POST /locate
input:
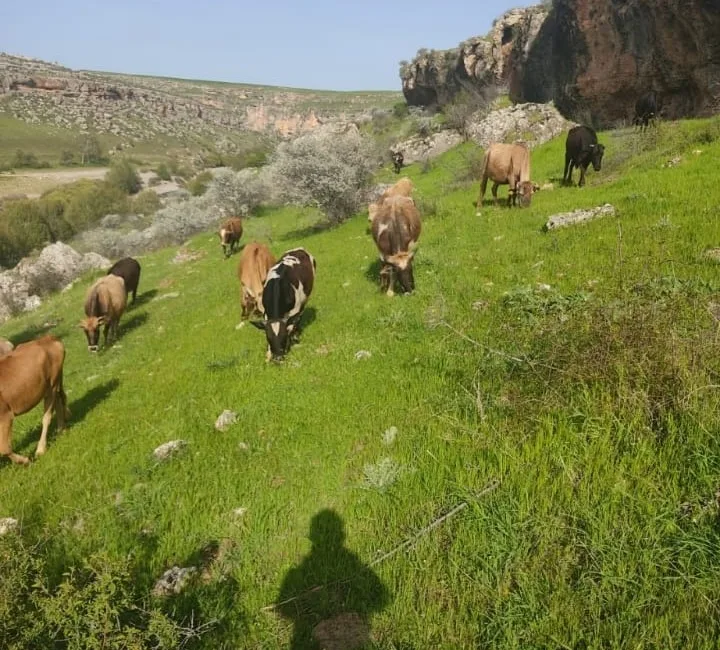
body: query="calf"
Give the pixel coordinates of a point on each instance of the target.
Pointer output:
(581, 149)
(255, 262)
(104, 305)
(129, 270)
(646, 110)
(396, 230)
(508, 164)
(230, 232)
(398, 160)
(403, 187)
(31, 372)
(287, 288)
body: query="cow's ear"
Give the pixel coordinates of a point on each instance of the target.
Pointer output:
(260, 324)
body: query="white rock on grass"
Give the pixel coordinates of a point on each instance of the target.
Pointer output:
(225, 420)
(362, 354)
(239, 512)
(389, 436)
(8, 525)
(166, 450)
(579, 216)
(173, 581)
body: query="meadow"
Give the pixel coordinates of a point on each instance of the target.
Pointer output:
(559, 387)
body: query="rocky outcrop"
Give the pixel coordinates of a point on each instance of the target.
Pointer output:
(594, 58)
(607, 53)
(500, 60)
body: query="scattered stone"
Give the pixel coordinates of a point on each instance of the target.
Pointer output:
(166, 450)
(673, 162)
(8, 525)
(92, 377)
(389, 436)
(323, 350)
(714, 310)
(173, 581)
(697, 152)
(362, 354)
(185, 255)
(579, 216)
(543, 287)
(239, 512)
(712, 254)
(343, 632)
(419, 148)
(547, 187)
(479, 305)
(243, 446)
(225, 420)
(164, 296)
(240, 325)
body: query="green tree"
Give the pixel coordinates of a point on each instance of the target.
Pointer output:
(124, 176)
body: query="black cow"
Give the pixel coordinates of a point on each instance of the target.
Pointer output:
(581, 149)
(287, 287)
(646, 110)
(129, 270)
(398, 160)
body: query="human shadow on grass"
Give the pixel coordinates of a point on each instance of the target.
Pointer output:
(144, 297)
(331, 595)
(78, 411)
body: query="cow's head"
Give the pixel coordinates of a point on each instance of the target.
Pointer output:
(91, 326)
(277, 332)
(596, 155)
(403, 266)
(524, 192)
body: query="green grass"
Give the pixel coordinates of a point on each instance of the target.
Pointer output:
(593, 404)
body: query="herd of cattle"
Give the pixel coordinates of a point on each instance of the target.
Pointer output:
(276, 290)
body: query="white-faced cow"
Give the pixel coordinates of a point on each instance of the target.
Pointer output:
(396, 230)
(398, 160)
(255, 262)
(646, 110)
(287, 288)
(508, 164)
(129, 270)
(230, 232)
(104, 305)
(32, 372)
(581, 149)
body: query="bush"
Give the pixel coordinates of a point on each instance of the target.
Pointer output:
(90, 151)
(67, 158)
(146, 203)
(236, 193)
(199, 184)
(325, 168)
(30, 160)
(124, 176)
(462, 111)
(163, 172)
(401, 110)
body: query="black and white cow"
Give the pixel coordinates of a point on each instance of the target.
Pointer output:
(647, 108)
(287, 287)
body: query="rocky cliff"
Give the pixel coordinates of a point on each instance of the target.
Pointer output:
(141, 108)
(594, 58)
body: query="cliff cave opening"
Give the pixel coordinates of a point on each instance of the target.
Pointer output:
(508, 35)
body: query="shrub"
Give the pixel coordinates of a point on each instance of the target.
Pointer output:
(67, 158)
(146, 202)
(25, 159)
(401, 110)
(236, 193)
(198, 185)
(463, 110)
(163, 172)
(124, 176)
(90, 151)
(325, 168)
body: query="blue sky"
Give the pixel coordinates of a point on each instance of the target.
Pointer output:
(340, 45)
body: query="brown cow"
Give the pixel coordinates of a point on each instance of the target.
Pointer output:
(255, 262)
(508, 164)
(5, 347)
(31, 372)
(396, 229)
(104, 305)
(403, 187)
(230, 232)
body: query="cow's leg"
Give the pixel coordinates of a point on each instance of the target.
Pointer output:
(49, 406)
(581, 182)
(494, 192)
(6, 421)
(106, 329)
(387, 279)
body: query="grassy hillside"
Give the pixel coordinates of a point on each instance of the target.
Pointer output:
(576, 371)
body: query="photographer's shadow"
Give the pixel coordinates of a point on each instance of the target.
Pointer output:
(331, 595)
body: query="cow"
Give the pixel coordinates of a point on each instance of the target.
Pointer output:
(255, 262)
(581, 149)
(508, 164)
(287, 288)
(32, 372)
(403, 187)
(396, 230)
(6, 347)
(104, 305)
(398, 160)
(646, 110)
(230, 232)
(129, 270)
